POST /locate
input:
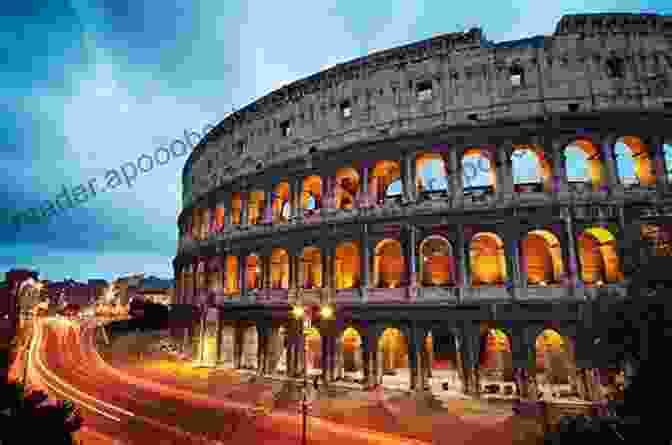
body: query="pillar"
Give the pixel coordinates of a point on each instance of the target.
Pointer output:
(408, 176)
(372, 362)
(560, 184)
(243, 207)
(572, 250)
(456, 186)
(504, 172)
(607, 152)
(242, 268)
(228, 206)
(268, 211)
(411, 259)
(364, 182)
(657, 150)
(365, 262)
(462, 251)
(297, 207)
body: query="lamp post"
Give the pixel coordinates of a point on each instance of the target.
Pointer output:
(299, 313)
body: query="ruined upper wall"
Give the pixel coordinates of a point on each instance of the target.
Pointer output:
(469, 76)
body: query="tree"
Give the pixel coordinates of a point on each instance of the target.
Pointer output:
(30, 417)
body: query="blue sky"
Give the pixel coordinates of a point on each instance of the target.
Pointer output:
(90, 85)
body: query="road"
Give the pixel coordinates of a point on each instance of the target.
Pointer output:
(63, 358)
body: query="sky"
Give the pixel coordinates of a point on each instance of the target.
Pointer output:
(88, 86)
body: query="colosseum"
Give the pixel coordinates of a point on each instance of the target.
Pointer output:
(439, 218)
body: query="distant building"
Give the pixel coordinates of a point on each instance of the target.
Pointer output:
(71, 291)
(156, 290)
(126, 287)
(97, 289)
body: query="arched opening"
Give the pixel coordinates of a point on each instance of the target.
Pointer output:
(531, 170)
(437, 265)
(281, 206)
(279, 269)
(207, 352)
(598, 252)
(495, 362)
(313, 350)
(248, 359)
(231, 282)
(443, 355)
(553, 365)
(312, 193)
(347, 264)
(488, 264)
(352, 359)
(393, 359)
(255, 207)
(633, 162)
(215, 268)
(279, 351)
(388, 264)
(385, 180)
(583, 163)
(347, 186)
(542, 258)
(228, 339)
(254, 275)
(478, 171)
(311, 268)
(236, 207)
(431, 173)
(220, 211)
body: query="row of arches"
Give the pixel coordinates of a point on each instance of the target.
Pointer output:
(554, 367)
(541, 258)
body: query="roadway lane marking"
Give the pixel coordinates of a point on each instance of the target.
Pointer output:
(69, 387)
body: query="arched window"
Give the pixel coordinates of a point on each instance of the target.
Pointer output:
(542, 257)
(633, 162)
(478, 170)
(600, 262)
(531, 169)
(667, 153)
(437, 264)
(347, 186)
(385, 180)
(488, 264)
(347, 264)
(311, 268)
(583, 164)
(254, 275)
(389, 264)
(431, 173)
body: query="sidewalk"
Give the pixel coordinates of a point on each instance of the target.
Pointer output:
(459, 421)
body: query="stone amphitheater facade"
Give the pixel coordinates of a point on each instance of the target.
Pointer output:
(316, 195)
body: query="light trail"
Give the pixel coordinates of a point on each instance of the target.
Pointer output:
(37, 339)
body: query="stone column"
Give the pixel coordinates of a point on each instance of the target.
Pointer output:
(414, 359)
(244, 197)
(228, 209)
(607, 152)
(363, 182)
(372, 346)
(657, 151)
(242, 269)
(504, 172)
(325, 183)
(195, 295)
(408, 176)
(365, 262)
(298, 206)
(513, 251)
(560, 184)
(237, 345)
(456, 186)
(268, 213)
(572, 250)
(411, 259)
(462, 251)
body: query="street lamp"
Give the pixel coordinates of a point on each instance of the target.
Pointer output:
(299, 313)
(26, 285)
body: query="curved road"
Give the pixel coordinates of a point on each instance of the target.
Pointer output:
(63, 358)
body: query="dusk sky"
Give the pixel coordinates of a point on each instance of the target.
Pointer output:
(90, 85)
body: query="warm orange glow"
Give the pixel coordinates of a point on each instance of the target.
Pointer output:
(641, 158)
(599, 256)
(541, 250)
(347, 186)
(488, 264)
(279, 269)
(311, 268)
(256, 203)
(347, 265)
(388, 264)
(236, 205)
